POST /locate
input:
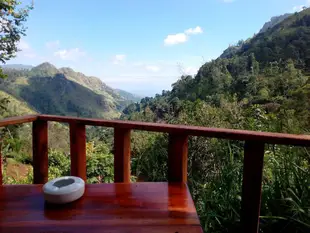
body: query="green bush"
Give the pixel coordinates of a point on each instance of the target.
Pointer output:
(100, 168)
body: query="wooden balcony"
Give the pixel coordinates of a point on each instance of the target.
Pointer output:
(125, 206)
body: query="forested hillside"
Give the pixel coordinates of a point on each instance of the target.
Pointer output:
(274, 79)
(261, 84)
(273, 21)
(63, 92)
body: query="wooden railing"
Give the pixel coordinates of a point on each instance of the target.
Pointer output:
(177, 152)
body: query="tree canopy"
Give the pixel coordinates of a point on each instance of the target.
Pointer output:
(12, 18)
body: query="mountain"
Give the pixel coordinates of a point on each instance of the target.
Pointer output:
(129, 96)
(273, 21)
(262, 84)
(270, 69)
(289, 39)
(15, 107)
(90, 82)
(17, 66)
(234, 49)
(63, 91)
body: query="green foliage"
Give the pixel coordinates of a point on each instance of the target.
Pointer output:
(58, 164)
(286, 179)
(12, 19)
(215, 167)
(12, 28)
(260, 84)
(274, 21)
(63, 92)
(243, 92)
(149, 162)
(100, 164)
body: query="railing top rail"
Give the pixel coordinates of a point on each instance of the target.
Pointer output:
(18, 120)
(231, 134)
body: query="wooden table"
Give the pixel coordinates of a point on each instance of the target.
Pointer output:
(135, 207)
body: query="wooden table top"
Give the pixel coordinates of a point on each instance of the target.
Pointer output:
(134, 207)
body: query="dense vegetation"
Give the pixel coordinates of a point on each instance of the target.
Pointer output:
(63, 92)
(273, 21)
(261, 84)
(12, 27)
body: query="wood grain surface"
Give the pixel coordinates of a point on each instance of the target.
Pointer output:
(252, 186)
(118, 207)
(121, 155)
(40, 151)
(0, 166)
(18, 120)
(177, 158)
(231, 134)
(78, 150)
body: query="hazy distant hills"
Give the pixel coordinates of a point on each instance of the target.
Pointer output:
(17, 66)
(63, 91)
(128, 95)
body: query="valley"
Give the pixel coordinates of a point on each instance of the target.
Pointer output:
(261, 84)
(63, 91)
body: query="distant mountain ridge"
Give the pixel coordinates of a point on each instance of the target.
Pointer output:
(17, 66)
(267, 68)
(234, 49)
(63, 91)
(128, 95)
(274, 21)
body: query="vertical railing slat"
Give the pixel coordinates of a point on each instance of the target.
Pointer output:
(40, 151)
(121, 155)
(177, 158)
(1, 164)
(78, 150)
(252, 185)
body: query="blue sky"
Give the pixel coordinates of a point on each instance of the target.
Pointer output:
(142, 46)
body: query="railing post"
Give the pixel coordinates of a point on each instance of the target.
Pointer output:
(40, 151)
(252, 185)
(121, 155)
(1, 164)
(78, 150)
(177, 158)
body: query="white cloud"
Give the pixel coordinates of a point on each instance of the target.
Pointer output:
(152, 68)
(175, 39)
(70, 54)
(301, 7)
(194, 31)
(119, 58)
(298, 8)
(52, 44)
(182, 37)
(142, 76)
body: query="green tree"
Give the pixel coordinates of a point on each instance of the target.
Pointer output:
(12, 18)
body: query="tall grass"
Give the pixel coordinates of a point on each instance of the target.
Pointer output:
(215, 169)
